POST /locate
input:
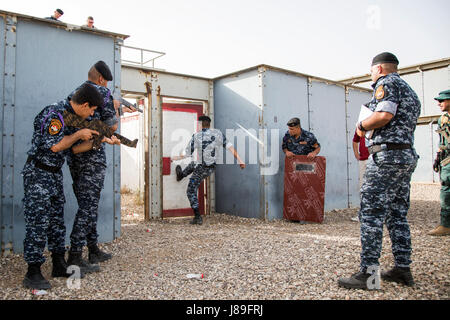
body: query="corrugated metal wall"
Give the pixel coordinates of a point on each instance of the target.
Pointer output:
(266, 98)
(285, 97)
(3, 217)
(426, 142)
(238, 105)
(354, 100)
(42, 65)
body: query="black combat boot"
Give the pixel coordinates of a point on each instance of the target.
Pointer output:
(179, 173)
(96, 255)
(399, 275)
(85, 267)
(197, 218)
(60, 266)
(356, 281)
(34, 278)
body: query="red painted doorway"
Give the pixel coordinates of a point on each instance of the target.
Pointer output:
(179, 124)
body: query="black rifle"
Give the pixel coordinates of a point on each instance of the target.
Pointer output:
(127, 104)
(74, 120)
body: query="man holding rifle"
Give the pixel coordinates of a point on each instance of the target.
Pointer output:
(43, 183)
(88, 171)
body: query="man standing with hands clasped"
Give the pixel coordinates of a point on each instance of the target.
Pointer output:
(386, 188)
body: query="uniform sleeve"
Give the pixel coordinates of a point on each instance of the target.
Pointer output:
(107, 111)
(225, 143)
(313, 141)
(69, 131)
(191, 146)
(52, 131)
(388, 98)
(284, 144)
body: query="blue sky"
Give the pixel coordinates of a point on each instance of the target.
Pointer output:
(331, 39)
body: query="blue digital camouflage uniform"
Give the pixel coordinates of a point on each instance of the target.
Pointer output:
(444, 174)
(301, 146)
(43, 190)
(386, 188)
(206, 142)
(88, 171)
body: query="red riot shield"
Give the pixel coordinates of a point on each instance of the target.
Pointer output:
(304, 189)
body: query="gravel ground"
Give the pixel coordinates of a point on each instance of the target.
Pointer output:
(247, 259)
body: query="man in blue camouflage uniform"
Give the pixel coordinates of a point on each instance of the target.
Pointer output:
(298, 141)
(207, 141)
(88, 174)
(43, 184)
(442, 164)
(386, 188)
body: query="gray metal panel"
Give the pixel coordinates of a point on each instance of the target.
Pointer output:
(237, 104)
(155, 151)
(435, 81)
(8, 134)
(50, 63)
(2, 72)
(172, 85)
(328, 123)
(355, 99)
(415, 81)
(426, 142)
(367, 85)
(116, 150)
(285, 97)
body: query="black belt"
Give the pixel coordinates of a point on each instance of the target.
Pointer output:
(388, 146)
(210, 166)
(42, 166)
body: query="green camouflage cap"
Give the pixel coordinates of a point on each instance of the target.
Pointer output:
(443, 95)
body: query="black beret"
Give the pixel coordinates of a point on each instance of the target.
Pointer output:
(293, 122)
(204, 118)
(385, 57)
(103, 69)
(60, 11)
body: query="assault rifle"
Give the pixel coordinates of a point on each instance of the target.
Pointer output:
(127, 104)
(74, 120)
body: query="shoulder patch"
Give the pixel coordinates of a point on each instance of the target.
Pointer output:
(379, 94)
(55, 127)
(444, 119)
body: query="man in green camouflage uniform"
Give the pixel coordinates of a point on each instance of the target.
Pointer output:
(441, 164)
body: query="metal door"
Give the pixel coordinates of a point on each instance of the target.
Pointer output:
(179, 124)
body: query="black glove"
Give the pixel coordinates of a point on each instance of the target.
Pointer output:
(437, 162)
